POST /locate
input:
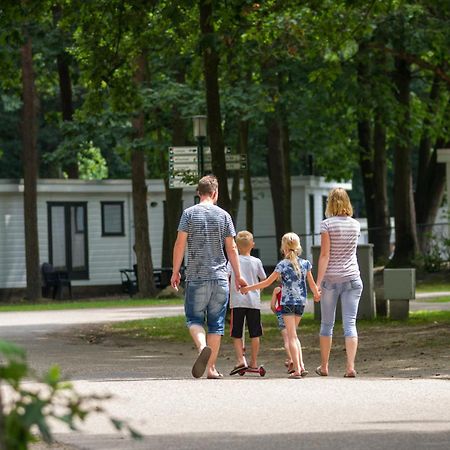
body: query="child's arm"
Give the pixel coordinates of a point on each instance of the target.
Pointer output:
(313, 286)
(273, 301)
(262, 284)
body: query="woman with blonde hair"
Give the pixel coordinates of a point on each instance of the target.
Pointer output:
(338, 276)
(293, 272)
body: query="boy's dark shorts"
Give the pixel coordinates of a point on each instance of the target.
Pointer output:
(253, 320)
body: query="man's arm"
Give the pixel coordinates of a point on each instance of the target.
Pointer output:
(178, 255)
(233, 257)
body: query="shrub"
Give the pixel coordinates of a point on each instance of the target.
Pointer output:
(24, 417)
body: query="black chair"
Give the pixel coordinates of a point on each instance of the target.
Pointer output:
(54, 280)
(129, 280)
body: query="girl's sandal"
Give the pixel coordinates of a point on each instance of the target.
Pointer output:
(295, 376)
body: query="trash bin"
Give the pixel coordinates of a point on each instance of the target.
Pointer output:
(366, 309)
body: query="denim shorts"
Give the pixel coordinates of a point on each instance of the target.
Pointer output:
(280, 320)
(296, 309)
(207, 301)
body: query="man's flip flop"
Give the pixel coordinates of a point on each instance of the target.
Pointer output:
(199, 367)
(237, 369)
(350, 374)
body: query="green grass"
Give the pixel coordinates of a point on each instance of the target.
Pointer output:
(88, 304)
(174, 328)
(435, 299)
(433, 287)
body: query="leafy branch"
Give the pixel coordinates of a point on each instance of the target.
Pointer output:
(25, 413)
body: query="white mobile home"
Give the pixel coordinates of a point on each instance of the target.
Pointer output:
(87, 226)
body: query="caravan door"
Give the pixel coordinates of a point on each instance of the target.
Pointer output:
(68, 242)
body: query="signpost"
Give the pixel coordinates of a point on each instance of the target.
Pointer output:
(184, 164)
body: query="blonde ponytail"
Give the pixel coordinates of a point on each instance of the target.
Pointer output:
(291, 248)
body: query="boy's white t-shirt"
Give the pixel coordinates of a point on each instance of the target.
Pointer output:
(252, 271)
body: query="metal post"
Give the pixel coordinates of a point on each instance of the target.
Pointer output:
(201, 162)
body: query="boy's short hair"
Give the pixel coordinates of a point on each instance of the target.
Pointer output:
(244, 239)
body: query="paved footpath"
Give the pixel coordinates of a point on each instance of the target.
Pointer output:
(174, 411)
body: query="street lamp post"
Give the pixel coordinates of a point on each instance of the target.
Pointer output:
(199, 123)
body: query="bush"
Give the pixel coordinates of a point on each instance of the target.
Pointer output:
(24, 418)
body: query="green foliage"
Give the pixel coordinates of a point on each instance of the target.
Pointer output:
(436, 256)
(91, 164)
(28, 409)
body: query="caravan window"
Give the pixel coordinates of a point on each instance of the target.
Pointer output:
(112, 219)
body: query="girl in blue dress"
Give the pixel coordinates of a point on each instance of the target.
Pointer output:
(293, 272)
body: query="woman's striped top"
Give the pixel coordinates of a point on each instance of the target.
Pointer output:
(344, 232)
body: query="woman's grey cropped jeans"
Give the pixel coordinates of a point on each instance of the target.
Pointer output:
(350, 294)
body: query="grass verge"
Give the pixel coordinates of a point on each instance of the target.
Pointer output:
(174, 329)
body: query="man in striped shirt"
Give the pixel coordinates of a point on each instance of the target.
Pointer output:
(208, 232)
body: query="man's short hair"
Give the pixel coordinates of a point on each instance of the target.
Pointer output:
(207, 185)
(244, 239)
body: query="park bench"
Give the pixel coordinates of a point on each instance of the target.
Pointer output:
(54, 281)
(130, 280)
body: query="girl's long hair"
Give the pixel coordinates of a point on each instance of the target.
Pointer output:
(291, 249)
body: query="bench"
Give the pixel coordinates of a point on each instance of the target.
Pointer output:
(54, 280)
(130, 280)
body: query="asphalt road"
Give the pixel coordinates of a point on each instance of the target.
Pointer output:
(174, 411)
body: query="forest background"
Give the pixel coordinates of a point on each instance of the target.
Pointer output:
(343, 89)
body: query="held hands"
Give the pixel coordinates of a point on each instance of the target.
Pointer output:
(245, 289)
(317, 294)
(240, 283)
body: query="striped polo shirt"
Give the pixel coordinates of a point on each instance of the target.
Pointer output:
(344, 232)
(207, 227)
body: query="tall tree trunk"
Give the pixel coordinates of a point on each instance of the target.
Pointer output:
(174, 197)
(235, 195)
(248, 189)
(277, 175)
(211, 74)
(406, 245)
(30, 171)
(139, 193)
(65, 91)
(430, 184)
(372, 159)
(382, 236)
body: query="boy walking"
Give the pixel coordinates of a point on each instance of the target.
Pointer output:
(246, 307)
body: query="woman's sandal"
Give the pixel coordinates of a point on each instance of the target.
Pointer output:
(351, 374)
(320, 373)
